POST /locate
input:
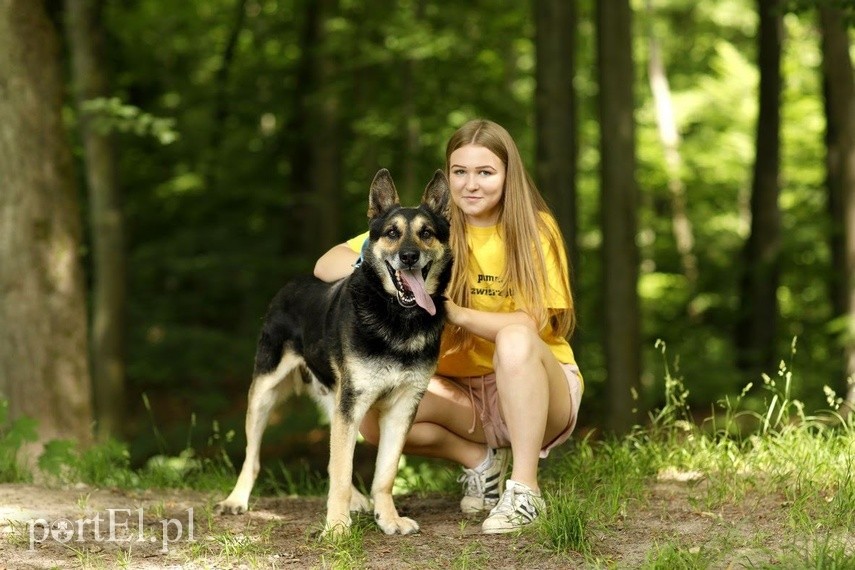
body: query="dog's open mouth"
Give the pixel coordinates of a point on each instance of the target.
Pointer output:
(411, 287)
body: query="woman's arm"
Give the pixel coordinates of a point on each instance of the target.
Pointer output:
(484, 323)
(335, 264)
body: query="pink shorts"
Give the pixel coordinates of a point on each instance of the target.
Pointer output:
(484, 396)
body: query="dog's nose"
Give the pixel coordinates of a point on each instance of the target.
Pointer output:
(409, 257)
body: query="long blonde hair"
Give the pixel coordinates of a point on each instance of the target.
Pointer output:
(522, 222)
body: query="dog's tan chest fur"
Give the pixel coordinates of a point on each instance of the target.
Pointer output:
(378, 378)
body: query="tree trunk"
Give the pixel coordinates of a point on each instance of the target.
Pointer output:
(87, 44)
(839, 87)
(326, 158)
(221, 97)
(619, 198)
(315, 137)
(758, 315)
(44, 371)
(681, 225)
(555, 106)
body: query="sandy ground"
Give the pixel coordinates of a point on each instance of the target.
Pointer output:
(70, 528)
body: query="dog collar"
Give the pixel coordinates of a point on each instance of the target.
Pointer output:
(361, 258)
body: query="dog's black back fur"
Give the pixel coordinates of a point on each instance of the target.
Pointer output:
(356, 315)
(369, 341)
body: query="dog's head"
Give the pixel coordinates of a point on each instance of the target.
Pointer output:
(408, 248)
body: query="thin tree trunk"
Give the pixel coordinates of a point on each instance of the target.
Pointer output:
(681, 225)
(758, 316)
(325, 163)
(315, 136)
(44, 371)
(89, 74)
(221, 95)
(408, 184)
(839, 87)
(619, 199)
(555, 103)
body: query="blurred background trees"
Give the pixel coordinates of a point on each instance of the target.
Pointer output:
(44, 370)
(221, 145)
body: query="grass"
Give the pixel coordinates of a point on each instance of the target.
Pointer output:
(671, 556)
(803, 461)
(345, 551)
(744, 457)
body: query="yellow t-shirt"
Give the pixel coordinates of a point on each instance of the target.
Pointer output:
(486, 265)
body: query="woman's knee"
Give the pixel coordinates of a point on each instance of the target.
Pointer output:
(515, 346)
(370, 428)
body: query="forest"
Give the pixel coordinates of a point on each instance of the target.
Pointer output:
(165, 167)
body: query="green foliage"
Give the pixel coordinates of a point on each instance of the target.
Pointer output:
(103, 465)
(289, 482)
(672, 556)
(564, 527)
(13, 435)
(110, 114)
(760, 442)
(214, 226)
(424, 476)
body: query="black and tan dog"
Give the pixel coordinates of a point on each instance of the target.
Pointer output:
(371, 339)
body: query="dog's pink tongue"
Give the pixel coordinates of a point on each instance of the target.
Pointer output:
(416, 284)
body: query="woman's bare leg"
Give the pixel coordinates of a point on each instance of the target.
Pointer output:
(533, 395)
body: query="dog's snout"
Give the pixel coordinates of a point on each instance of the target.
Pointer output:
(409, 257)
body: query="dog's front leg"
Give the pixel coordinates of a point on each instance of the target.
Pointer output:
(395, 421)
(343, 433)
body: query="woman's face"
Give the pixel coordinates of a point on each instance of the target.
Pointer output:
(477, 179)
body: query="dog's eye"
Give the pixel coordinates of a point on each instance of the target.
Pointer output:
(393, 233)
(425, 234)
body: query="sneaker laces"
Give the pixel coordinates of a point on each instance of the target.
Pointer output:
(505, 506)
(473, 483)
(518, 500)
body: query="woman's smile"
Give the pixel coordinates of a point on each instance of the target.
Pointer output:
(477, 179)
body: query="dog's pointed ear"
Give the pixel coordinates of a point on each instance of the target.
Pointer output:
(436, 193)
(383, 194)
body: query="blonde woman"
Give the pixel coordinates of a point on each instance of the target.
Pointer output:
(507, 385)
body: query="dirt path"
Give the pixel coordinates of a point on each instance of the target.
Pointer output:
(277, 533)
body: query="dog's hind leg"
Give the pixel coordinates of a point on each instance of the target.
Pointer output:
(396, 417)
(264, 393)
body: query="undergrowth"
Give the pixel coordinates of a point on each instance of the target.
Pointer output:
(775, 449)
(597, 483)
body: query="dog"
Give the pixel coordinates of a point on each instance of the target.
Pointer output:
(369, 340)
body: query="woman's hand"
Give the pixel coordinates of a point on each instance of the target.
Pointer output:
(453, 313)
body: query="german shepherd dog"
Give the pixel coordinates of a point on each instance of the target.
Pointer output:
(369, 340)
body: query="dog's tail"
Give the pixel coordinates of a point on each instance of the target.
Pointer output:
(278, 334)
(269, 350)
(279, 370)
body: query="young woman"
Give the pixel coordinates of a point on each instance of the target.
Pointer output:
(506, 377)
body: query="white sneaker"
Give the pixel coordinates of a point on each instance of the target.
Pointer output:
(483, 485)
(519, 506)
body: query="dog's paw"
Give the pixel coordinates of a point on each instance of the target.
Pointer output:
(398, 525)
(230, 507)
(334, 530)
(359, 503)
